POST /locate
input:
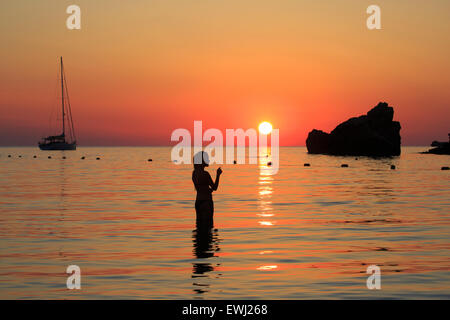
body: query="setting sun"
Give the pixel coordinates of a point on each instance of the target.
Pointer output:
(265, 127)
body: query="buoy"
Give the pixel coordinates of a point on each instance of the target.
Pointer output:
(445, 168)
(82, 158)
(149, 160)
(49, 157)
(269, 163)
(344, 165)
(392, 167)
(306, 165)
(98, 158)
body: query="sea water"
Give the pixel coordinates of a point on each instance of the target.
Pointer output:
(304, 233)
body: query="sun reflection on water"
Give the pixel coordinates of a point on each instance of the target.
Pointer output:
(267, 268)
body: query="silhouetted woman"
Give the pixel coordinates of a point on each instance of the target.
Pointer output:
(204, 206)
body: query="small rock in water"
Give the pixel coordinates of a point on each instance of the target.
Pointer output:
(9, 156)
(269, 163)
(392, 167)
(356, 158)
(34, 157)
(445, 168)
(82, 158)
(63, 157)
(344, 165)
(234, 162)
(306, 165)
(98, 158)
(49, 157)
(20, 156)
(149, 160)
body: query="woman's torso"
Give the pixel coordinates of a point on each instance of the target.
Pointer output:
(202, 181)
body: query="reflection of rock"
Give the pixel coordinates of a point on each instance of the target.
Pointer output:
(440, 147)
(374, 134)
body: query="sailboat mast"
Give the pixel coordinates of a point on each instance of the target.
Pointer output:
(62, 97)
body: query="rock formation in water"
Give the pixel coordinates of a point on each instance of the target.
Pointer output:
(373, 134)
(440, 147)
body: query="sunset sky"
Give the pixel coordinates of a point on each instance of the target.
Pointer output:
(137, 70)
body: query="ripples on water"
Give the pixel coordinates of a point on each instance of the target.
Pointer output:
(307, 232)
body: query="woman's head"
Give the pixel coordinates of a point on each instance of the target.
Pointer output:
(201, 160)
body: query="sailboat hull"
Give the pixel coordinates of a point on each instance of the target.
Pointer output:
(58, 146)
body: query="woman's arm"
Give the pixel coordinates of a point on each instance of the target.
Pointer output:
(215, 185)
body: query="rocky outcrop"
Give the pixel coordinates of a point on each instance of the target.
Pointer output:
(440, 147)
(374, 134)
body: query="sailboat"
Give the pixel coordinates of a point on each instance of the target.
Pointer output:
(66, 140)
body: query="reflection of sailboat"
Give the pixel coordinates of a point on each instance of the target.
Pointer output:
(62, 141)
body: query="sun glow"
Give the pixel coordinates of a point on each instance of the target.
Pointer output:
(265, 127)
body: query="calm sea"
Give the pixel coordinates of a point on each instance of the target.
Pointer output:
(307, 232)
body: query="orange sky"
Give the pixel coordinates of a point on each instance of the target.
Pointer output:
(137, 70)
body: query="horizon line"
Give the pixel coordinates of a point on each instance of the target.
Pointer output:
(147, 146)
